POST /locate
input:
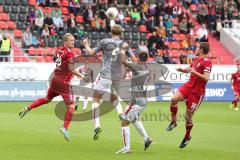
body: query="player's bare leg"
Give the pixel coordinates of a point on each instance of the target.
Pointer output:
(35, 104)
(174, 109)
(67, 120)
(189, 126)
(96, 114)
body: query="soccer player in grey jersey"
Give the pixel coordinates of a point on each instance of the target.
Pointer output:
(110, 73)
(138, 101)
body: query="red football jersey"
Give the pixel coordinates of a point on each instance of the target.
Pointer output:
(64, 57)
(195, 83)
(236, 80)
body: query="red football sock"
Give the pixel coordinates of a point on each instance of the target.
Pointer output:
(188, 129)
(37, 103)
(174, 110)
(235, 102)
(68, 117)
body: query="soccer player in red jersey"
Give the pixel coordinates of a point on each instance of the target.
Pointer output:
(192, 91)
(235, 80)
(60, 83)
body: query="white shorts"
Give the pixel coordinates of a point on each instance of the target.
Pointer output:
(134, 109)
(103, 85)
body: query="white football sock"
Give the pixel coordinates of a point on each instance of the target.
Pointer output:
(140, 128)
(126, 137)
(118, 106)
(85, 103)
(96, 114)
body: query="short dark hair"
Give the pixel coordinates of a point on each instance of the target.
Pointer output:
(143, 56)
(204, 47)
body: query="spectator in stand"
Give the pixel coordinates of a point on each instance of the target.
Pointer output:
(102, 7)
(186, 3)
(29, 40)
(53, 3)
(160, 21)
(151, 24)
(56, 11)
(168, 24)
(190, 26)
(121, 18)
(144, 17)
(166, 58)
(169, 10)
(183, 26)
(190, 56)
(31, 16)
(202, 14)
(176, 11)
(142, 47)
(81, 32)
(5, 44)
(72, 7)
(71, 21)
(97, 24)
(41, 2)
(152, 39)
(183, 58)
(218, 27)
(45, 35)
(153, 52)
(202, 34)
(135, 15)
(48, 21)
(38, 25)
(88, 14)
(211, 21)
(58, 22)
(226, 18)
(159, 57)
(145, 6)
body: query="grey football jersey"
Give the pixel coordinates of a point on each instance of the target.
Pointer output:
(111, 64)
(139, 81)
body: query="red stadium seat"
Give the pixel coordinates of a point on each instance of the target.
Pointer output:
(193, 7)
(18, 33)
(39, 59)
(11, 25)
(142, 28)
(3, 25)
(5, 17)
(174, 53)
(182, 37)
(32, 2)
(127, 19)
(65, 3)
(76, 51)
(175, 21)
(32, 51)
(64, 11)
(1, 9)
(149, 35)
(174, 45)
(48, 9)
(79, 19)
(48, 59)
(49, 51)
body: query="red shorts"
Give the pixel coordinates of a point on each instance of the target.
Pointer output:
(61, 88)
(193, 100)
(237, 92)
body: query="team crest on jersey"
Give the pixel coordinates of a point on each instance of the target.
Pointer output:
(110, 46)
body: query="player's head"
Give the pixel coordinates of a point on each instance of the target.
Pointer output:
(69, 40)
(116, 30)
(202, 49)
(143, 57)
(238, 66)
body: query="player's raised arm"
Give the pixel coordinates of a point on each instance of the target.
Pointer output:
(92, 51)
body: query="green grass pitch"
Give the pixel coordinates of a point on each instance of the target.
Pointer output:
(215, 136)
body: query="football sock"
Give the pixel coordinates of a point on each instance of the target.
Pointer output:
(85, 103)
(37, 103)
(126, 136)
(77, 101)
(174, 110)
(96, 114)
(68, 117)
(140, 128)
(235, 102)
(189, 126)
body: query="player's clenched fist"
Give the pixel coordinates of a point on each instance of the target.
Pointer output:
(85, 42)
